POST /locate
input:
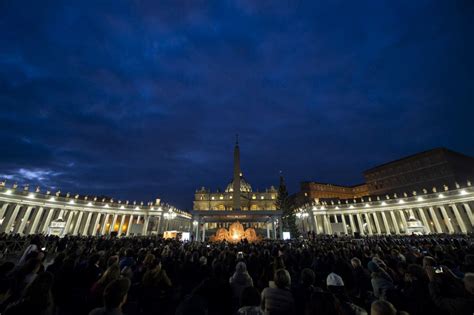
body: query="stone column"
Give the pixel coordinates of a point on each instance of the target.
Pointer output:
(469, 212)
(447, 220)
(385, 223)
(313, 221)
(24, 220)
(36, 220)
(353, 226)
(404, 220)
(145, 225)
(395, 222)
(327, 224)
(96, 228)
(130, 222)
(104, 226)
(459, 219)
(335, 218)
(3, 210)
(204, 231)
(424, 220)
(435, 219)
(78, 223)
(112, 227)
(12, 218)
(369, 226)
(274, 229)
(344, 223)
(361, 226)
(268, 230)
(122, 221)
(411, 213)
(49, 217)
(377, 223)
(67, 227)
(85, 231)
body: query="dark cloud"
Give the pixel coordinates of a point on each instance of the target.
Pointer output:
(142, 99)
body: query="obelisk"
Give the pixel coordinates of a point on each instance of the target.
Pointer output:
(236, 181)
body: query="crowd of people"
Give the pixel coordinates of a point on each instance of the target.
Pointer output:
(380, 275)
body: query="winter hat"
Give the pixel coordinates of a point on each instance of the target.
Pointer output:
(334, 280)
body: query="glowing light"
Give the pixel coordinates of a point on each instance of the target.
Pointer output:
(137, 208)
(106, 205)
(463, 192)
(9, 192)
(420, 199)
(89, 204)
(337, 208)
(351, 207)
(195, 222)
(31, 195)
(401, 201)
(384, 203)
(71, 201)
(440, 196)
(52, 199)
(122, 207)
(367, 205)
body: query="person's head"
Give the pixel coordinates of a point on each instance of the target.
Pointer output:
(112, 260)
(203, 261)
(373, 267)
(115, 293)
(355, 262)
(149, 259)
(381, 307)
(321, 303)
(250, 297)
(241, 267)
(335, 283)
(307, 277)
(429, 261)
(282, 278)
(415, 272)
(112, 273)
(38, 292)
(469, 282)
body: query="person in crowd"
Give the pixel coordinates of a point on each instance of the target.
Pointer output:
(97, 290)
(382, 307)
(426, 274)
(36, 299)
(240, 280)
(277, 298)
(381, 281)
(250, 302)
(302, 292)
(115, 296)
(335, 285)
(449, 293)
(361, 281)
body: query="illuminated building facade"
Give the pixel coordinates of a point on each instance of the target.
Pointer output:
(238, 202)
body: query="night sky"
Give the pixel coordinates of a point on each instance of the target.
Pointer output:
(138, 100)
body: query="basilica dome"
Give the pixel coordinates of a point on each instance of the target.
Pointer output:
(244, 186)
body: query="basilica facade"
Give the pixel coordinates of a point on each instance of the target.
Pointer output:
(213, 211)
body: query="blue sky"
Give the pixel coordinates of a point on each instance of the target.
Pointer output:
(142, 99)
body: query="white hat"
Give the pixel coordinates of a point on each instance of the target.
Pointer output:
(334, 280)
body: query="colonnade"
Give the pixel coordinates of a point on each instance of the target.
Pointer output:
(450, 211)
(25, 212)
